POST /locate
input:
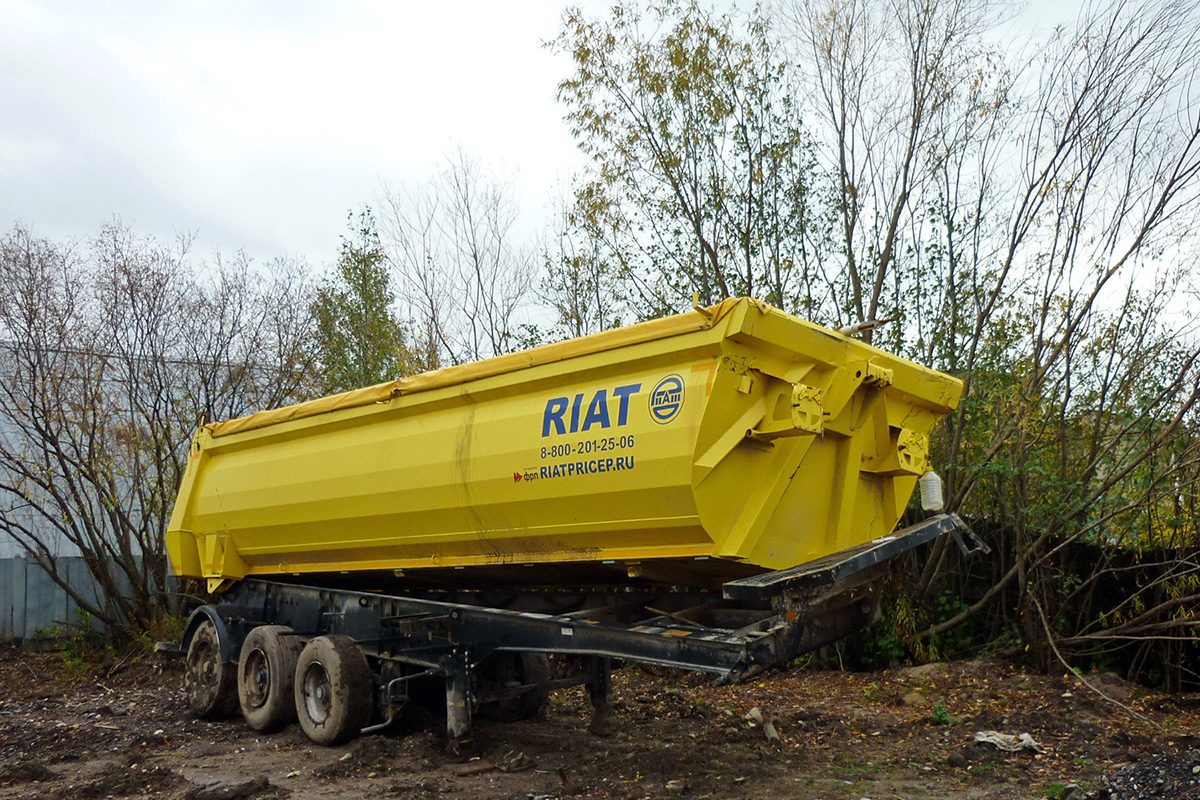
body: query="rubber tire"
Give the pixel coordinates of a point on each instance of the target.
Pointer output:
(270, 652)
(339, 664)
(209, 682)
(520, 668)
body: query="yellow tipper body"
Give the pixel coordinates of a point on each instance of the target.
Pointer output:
(713, 444)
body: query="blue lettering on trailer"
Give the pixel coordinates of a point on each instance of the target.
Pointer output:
(591, 467)
(596, 413)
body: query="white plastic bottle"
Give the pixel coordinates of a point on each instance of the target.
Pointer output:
(930, 485)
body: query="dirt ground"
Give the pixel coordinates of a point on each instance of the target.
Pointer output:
(906, 733)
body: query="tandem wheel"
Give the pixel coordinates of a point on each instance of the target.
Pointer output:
(333, 690)
(209, 681)
(266, 677)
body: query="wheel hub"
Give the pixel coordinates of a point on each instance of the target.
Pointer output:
(315, 690)
(259, 688)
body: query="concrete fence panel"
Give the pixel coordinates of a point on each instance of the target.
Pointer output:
(31, 603)
(12, 598)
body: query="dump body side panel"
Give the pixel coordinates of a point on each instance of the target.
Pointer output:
(748, 438)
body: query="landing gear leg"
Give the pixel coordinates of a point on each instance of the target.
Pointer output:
(604, 719)
(458, 704)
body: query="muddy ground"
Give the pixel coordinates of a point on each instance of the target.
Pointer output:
(122, 731)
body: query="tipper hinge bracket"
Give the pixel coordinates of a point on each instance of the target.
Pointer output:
(793, 413)
(905, 454)
(877, 376)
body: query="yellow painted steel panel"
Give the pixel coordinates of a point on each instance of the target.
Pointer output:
(737, 434)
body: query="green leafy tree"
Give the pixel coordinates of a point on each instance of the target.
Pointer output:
(699, 174)
(359, 340)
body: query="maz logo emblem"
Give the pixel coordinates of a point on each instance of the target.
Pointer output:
(666, 399)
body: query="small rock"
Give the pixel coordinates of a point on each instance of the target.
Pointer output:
(957, 759)
(755, 715)
(571, 783)
(206, 750)
(474, 768)
(924, 670)
(515, 762)
(770, 732)
(228, 791)
(27, 771)
(914, 699)
(1113, 686)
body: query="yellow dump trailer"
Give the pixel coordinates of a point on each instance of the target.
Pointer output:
(713, 491)
(689, 450)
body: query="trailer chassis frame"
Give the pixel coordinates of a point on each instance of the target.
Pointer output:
(404, 638)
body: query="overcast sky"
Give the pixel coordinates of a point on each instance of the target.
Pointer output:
(260, 126)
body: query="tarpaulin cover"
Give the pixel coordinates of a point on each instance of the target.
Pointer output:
(698, 319)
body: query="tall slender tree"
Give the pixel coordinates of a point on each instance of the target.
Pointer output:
(359, 340)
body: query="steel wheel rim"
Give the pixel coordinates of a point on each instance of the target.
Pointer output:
(202, 667)
(317, 692)
(258, 678)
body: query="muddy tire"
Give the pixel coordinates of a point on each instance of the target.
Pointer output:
(266, 677)
(514, 669)
(333, 690)
(209, 682)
